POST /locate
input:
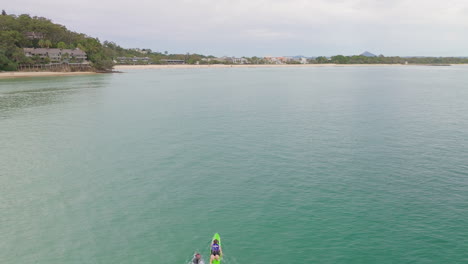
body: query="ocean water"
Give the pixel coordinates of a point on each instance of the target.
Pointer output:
(289, 165)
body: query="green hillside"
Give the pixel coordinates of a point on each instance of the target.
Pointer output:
(24, 31)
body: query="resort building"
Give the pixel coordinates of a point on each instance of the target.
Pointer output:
(34, 35)
(277, 60)
(298, 59)
(142, 51)
(227, 60)
(56, 55)
(169, 61)
(133, 60)
(221, 59)
(239, 60)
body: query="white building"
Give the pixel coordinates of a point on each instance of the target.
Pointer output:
(56, 55)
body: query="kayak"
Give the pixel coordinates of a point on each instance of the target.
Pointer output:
(216, 236)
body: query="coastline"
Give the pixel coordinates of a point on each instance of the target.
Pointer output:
(8, 75)
(211, 66)
(117, 68)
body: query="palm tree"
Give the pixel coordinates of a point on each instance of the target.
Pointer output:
(61, 45)
(48, 43)
(41, 43)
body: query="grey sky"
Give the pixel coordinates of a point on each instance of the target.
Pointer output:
(267, 27)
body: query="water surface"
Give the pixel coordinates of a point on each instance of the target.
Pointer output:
(289, 165)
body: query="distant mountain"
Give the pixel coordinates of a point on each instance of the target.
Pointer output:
(368, 54)
(297, 57)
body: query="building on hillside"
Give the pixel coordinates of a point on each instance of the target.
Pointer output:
(34, 35)
(75, 53)
(56, 55)
(142, 51)
(31, 52)
(133, 60)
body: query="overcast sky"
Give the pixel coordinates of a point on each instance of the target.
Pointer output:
(266, 27)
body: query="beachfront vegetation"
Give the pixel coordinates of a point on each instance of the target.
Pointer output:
(153, 57)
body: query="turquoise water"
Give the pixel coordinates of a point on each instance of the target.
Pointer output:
(289, 165)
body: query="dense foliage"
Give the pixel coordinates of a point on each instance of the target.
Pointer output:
(115, 51)
(13, 38)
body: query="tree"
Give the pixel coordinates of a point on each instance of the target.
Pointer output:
(61, 45)
(321, 59)
(3, 12)
(13, 39)
(96, 54)
(19, 57)
(340, 59)
(10, 42)
(5, 63)
(48, 43)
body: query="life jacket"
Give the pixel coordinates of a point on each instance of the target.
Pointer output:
(215, 248)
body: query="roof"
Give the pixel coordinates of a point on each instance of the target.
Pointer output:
(73, 52)
(34, 35)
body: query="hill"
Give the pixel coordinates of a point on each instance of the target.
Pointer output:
(18, 33)
(24, 31)
(368, 54)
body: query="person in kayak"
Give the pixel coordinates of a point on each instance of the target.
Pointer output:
(216, 251)
(197, 259)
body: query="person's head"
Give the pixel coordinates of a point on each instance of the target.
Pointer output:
(215, 241)
(198, 256)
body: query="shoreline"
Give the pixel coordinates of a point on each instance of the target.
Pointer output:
(213, 66)
(16, 74)
(117, 68)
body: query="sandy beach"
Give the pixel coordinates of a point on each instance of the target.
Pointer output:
(187, 66)
(5, 75)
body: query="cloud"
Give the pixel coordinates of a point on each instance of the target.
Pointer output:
(294, 26)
